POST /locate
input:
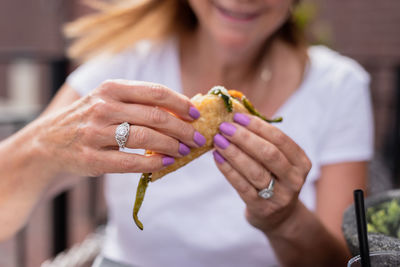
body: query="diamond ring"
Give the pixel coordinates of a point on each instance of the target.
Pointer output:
(122, 134)
(269, 191)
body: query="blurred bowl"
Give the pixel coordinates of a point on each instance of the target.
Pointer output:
(377, 241)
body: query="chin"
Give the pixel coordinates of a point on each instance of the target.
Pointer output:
(233, 41)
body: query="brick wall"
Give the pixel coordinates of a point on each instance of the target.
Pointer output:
(368, 31)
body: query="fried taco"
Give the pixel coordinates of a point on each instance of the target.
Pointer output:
(217, 106)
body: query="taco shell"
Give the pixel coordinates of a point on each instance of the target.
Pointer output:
(213, 112)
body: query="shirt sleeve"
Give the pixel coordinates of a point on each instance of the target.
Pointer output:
(349, 132)
(92, 73)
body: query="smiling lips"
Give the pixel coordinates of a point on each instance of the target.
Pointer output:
(237, 15)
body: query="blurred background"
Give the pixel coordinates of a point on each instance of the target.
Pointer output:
(33, 66)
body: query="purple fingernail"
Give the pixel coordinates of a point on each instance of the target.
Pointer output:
(221, 141)
(194, 113)
(227, 128)
(218, 157)
(167, 160)
(241, 118)
(199, 139)
(183, 149)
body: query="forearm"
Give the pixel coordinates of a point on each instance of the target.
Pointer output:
(302, 240)
(25, 172)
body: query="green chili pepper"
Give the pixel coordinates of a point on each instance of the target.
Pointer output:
(227, 101)
(253, 111)
(141, 190)
(225, 96)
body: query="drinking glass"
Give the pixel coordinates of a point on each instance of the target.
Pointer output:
(378, 258)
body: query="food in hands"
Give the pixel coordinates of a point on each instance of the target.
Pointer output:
(217, 106)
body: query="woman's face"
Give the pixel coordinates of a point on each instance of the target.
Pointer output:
(240, 24)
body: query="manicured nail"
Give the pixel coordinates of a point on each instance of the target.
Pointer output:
(183, 149)
(194, 113)
(167, 160)
(218, 157)
(199, 139)
(227, 128)
(221, 141)
(241, 118)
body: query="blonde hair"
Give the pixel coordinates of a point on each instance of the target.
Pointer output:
(121, 23)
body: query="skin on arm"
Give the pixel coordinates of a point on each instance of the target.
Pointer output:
(335, 192)
(65, 96)
(24, 173)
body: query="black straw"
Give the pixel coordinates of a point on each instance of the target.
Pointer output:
(362, 227)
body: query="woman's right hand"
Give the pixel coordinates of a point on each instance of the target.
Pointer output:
(80, 138)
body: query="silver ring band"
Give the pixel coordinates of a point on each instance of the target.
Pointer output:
(122, 134)
(268, 192)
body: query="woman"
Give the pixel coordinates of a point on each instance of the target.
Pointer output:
(194, 217)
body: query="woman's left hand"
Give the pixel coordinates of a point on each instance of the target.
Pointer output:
(251, 152)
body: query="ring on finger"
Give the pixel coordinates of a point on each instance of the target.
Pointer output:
(267, 192)
(122, 134)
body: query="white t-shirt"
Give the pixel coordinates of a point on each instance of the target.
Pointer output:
(193, 217)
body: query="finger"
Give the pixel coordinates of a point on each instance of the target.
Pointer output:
(245, 190)
(146, 138)
(258, 148)
(159, 120)
(289, 148)
(151, 94)
(122, 162)
(254, 172)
